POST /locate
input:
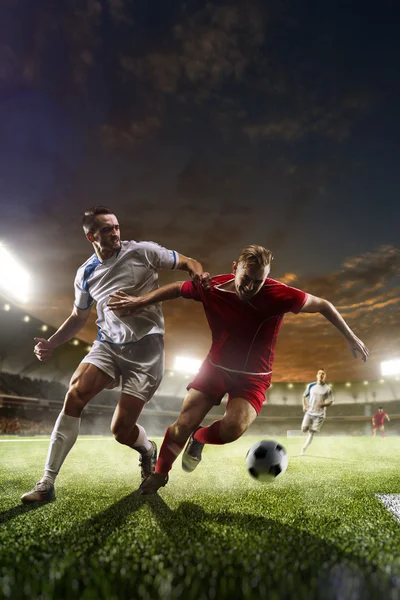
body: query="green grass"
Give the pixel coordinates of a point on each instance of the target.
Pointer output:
(318, 532)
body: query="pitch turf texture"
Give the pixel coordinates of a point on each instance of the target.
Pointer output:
(319, 532)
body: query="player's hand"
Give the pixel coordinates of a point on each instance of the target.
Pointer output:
(320, 405)
(123, 304)
(356, 345)
(43, 349)
(203, 278)
(304, 408)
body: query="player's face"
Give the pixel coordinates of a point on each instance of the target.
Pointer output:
(107, 236)
(321, 376)
(249, 279)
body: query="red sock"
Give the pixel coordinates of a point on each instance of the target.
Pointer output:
(169, 451)
(210, 435)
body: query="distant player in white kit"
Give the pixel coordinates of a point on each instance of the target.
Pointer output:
(316, 398)
(130, 348)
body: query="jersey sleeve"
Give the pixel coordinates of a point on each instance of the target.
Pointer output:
(290, 299)
(307, 391)
(191, 291)
(83, 299)
(158, 257)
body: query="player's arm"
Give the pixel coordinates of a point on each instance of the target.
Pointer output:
(313, 304)
(64, 333)
(387, 417)
(128, 305)
(195, 270)
(304, 403)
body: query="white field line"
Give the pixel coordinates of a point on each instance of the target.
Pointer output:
(47, 439)
(392, 503)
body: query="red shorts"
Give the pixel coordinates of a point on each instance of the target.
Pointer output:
(216, 382)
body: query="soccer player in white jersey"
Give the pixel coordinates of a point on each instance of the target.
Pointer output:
(316, 398)
(129, 348)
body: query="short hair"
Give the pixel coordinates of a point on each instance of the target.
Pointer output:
(380, 407)
(89, 222)
(256, 255)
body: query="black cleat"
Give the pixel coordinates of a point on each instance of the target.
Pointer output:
(153, 483)
(147, 461)
(192, 454)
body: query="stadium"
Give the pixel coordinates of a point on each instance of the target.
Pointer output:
(213, 534)
(199, 300)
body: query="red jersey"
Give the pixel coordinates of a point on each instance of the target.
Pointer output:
(244, 334)
(379, 418)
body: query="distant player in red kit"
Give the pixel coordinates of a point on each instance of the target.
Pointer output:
(244, 310)
(378, 421)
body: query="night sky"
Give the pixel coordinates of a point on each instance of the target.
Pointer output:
(206, 127)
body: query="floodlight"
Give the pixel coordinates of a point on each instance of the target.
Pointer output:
(14, 280)
(391, 367)
(187, 365)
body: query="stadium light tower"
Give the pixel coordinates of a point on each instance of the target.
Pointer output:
(186, 365)
(14, 280)
(390, 367)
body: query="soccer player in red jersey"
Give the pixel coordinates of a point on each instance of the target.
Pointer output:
(244, 310)
(378, 421)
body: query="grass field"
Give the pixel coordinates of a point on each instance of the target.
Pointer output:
(319, 532)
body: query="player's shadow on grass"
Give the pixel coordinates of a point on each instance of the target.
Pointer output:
(325, 569)
(16, 511)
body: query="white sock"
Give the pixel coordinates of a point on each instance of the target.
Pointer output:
(142, 443)
(62, 439)
(308, 441)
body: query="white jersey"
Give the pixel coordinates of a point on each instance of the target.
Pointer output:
(316, 393)
(132, 269)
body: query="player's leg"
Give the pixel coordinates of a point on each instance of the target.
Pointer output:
(142, 367)
(87, 381)
(127, 431)
(374, 428)
(305, 427)
(315, 427)
(382, 430)
(308, 441)
(239, 415)
(196, 406)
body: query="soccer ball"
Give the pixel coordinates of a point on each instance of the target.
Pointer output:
(266, 460)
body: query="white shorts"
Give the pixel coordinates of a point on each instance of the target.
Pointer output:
(313, 423)
(140, 365)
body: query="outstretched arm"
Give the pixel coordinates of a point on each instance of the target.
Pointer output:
(77, 319)
(195, 270)
(314, 304)
(387, 417)
(128, 305)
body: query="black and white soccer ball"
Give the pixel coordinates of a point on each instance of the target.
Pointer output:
(267, 460)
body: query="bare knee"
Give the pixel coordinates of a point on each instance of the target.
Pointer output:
(75, 401)
(182, 428)
(122, 433)
(230, 431)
